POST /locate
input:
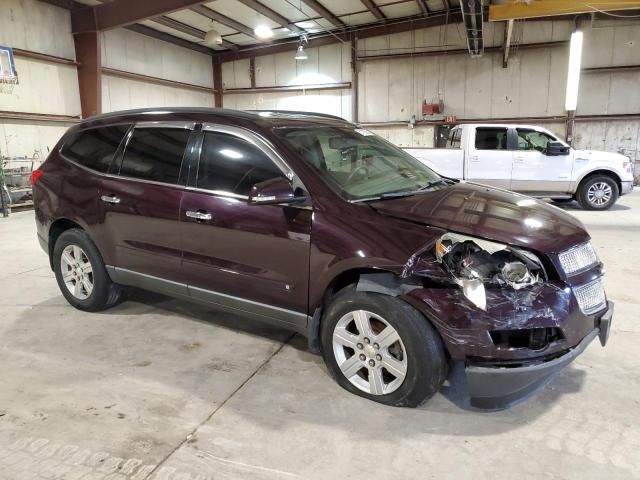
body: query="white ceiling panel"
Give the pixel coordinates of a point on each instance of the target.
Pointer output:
(358, 18)
(435, 5)
(343, 7)
(294, 10)
(200, 22)
(171, 31)
(401, 10)
(241, 13)
(241, 39)
(317, 25)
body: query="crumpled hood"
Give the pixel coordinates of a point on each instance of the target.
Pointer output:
(490, 213)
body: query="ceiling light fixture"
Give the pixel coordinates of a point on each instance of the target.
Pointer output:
(213, 37)
(263, 32)
(300, 53)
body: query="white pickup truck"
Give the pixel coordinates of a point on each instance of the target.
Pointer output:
(533, 161)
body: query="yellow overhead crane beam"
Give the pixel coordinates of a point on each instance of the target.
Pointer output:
(516, 9)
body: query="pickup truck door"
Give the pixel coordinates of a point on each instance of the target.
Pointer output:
(533, 170)
(488, 158)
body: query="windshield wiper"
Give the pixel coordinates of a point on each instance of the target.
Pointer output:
(423, 189)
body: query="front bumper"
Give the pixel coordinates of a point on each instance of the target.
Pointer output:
(627, 187)
(495, 387)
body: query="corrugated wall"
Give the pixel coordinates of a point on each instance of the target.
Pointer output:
(132, 52)
(326, 65)
(44, 87)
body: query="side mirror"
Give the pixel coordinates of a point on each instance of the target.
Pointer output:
(556, 149)
(274, 191)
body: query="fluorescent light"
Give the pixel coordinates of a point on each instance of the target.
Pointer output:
(573, 79)
(301, 54)
(262, 31)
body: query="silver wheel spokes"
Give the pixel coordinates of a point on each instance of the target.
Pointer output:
(77, 273)
(599, 193)
(369, 352)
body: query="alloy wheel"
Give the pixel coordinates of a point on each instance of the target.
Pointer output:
(599, 193)
(369, 352)
(77, 272)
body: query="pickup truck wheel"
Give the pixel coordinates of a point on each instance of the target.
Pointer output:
(80, 273)
(383, 349)
(599, 192)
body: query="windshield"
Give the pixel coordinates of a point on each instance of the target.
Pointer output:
(357, 163)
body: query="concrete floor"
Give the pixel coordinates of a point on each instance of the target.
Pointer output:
(161, 389)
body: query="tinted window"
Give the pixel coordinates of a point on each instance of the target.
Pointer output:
(491, 139)
(95, 148)
(231, 164)
(155, 154)
(455, 138)
(533, 140)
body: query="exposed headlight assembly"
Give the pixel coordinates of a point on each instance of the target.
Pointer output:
(474, 263)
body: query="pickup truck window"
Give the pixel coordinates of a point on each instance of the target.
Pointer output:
(455, 138)
(533, 140)
(491, 138)
(357, 164)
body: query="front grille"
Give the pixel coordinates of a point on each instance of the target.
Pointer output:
(578, 258)
(591, 297)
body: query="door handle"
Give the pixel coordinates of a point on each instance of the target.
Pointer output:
(475, 158)
(198, 214)
(518, 159)
(110, 199)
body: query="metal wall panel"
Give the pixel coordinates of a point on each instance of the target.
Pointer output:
(36, 26)
(136, 53)
(44, 87)
(122, 94)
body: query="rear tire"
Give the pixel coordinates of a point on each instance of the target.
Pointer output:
(397, 359)
(80, 273)
(598, 192)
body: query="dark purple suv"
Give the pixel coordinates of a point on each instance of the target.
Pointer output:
(319, 226)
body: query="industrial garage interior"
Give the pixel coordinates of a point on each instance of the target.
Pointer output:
(157, 387)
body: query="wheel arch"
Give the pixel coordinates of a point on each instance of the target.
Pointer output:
(57, 228)
(601, 171)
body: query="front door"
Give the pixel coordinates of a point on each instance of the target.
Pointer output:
(142, 203)
(489, 159)
(533, 170)
(253, 258)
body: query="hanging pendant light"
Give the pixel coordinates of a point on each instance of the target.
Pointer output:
(301, 54)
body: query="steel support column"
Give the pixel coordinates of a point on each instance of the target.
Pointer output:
(88, 55)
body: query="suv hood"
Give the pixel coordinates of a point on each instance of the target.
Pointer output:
(490, 213)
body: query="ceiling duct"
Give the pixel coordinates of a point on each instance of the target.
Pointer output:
(473, 17)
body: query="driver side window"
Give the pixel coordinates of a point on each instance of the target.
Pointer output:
(529, 140)
(233, 165)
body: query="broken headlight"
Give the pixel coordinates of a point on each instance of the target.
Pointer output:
(474, 264)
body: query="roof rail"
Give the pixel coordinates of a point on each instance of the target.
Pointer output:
(297, 112)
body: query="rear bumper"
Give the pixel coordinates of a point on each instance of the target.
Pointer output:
(498, 387)
(627, 187)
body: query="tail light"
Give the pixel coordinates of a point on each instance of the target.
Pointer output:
(35, 176)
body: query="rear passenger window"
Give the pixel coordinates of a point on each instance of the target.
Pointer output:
(491, 139)
(155, 154)
(95, 148)
(455, 137)
(231, 164)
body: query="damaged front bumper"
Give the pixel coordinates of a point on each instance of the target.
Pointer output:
(496, 386)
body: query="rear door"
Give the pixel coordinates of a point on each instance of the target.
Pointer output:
(533, 170)
(488, 158)
(253, 258)
(141, 202)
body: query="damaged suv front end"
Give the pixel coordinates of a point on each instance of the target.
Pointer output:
(514, 317)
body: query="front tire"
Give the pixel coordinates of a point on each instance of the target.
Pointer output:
(80, 273)
(599, 192)
(381, 348)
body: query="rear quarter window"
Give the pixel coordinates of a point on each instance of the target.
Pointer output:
(95, 148)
